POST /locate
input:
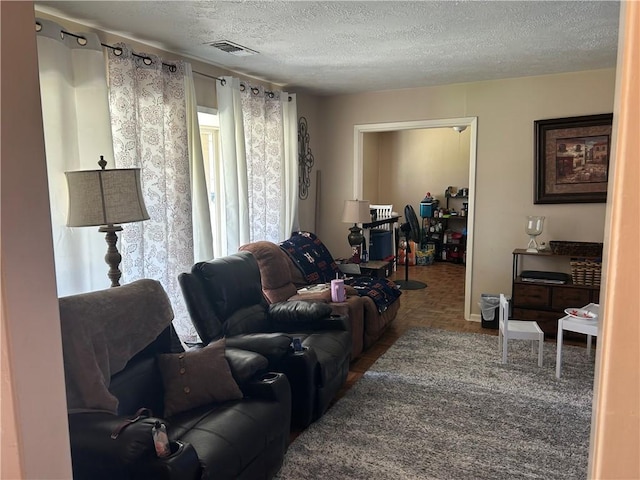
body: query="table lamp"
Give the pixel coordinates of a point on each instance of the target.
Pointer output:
(356, 211)
(106, 198)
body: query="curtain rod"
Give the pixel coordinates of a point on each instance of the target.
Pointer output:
(118, 51)
(145, 58)
(148, 60)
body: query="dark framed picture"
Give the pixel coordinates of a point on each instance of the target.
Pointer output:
(572, 159)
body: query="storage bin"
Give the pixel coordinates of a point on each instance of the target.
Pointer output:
(576, 249)
(585, 272)
(380, 244)
(427, 208)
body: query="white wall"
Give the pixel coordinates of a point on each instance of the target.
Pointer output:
(506, 110)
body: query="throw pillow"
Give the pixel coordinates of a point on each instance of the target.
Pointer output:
(196, 377)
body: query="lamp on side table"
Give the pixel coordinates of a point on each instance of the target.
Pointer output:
(356, 211)
(106, 198)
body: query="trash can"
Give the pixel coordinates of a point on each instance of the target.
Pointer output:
(490, 308)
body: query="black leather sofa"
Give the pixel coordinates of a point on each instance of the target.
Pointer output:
(242, 438)
(224, 298)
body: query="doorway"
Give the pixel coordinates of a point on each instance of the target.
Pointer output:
(359, 172)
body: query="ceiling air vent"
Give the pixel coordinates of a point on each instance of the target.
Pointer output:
(233, 48)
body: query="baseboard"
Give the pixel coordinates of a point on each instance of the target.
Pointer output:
(475, 317)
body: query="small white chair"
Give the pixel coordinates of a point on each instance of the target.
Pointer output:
(517, 330)
(383, 211)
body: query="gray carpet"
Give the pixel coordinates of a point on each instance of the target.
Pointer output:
(440, 405)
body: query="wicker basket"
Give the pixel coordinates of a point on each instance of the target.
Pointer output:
(576, 249)
(586, 272)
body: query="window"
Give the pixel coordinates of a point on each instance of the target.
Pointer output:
(210, 138)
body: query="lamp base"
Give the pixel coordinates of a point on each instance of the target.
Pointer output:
(112, 257)
(355, 238)
(532, 246)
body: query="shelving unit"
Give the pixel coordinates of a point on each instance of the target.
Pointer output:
(439, 231)
(542, 302)
(455, 248)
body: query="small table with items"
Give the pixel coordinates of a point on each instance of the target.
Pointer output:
(570, 323)
(376, 268)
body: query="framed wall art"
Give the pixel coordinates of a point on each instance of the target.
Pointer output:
(572, 159)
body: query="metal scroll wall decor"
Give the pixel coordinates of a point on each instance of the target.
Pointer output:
(305, 159)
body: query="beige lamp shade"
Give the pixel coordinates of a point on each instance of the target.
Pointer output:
(356, 211)
(105, 197)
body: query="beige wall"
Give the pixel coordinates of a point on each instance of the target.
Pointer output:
(308, 108)
(414, 162)
(506, 110)
(615, 439)
(35, 440)
(374, 147)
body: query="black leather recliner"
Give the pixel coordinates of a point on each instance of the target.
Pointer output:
(244, 438)
(224, 298)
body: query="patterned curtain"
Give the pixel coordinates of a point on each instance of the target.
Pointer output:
(267, 157)
(149, 124)
(262, 115)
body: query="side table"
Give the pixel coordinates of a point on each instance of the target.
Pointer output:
(578, 325)
(376, 268)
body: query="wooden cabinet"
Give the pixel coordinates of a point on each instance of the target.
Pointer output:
(542, 302)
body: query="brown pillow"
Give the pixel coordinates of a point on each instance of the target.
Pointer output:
(196, 377)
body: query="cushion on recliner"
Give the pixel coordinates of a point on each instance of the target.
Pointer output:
(206, 322)
(197, 377)
(274, 269)
(298, 311)
(273, 346)
(246, 320)
(231, 283)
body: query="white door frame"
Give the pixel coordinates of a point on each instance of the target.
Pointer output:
(470, 122)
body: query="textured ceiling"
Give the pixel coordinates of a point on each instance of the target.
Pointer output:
(347, 47)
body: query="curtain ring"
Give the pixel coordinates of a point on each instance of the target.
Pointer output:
(255, 90)
(223, 82)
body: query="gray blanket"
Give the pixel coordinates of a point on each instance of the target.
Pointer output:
(101, 332)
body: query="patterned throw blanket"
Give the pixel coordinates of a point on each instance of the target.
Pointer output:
(317, 265)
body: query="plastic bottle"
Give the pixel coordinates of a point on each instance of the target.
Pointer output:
(161, 439)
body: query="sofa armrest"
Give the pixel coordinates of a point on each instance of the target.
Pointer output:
(96, 455)
(294, 316)
(269, 386)
(273, 346)
(331, 322)
(245, 365)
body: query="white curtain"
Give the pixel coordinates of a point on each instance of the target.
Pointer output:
(289, 207)
(149, 124)
(233, 218)
(261, 185)
(202, 234)
(77, 130)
